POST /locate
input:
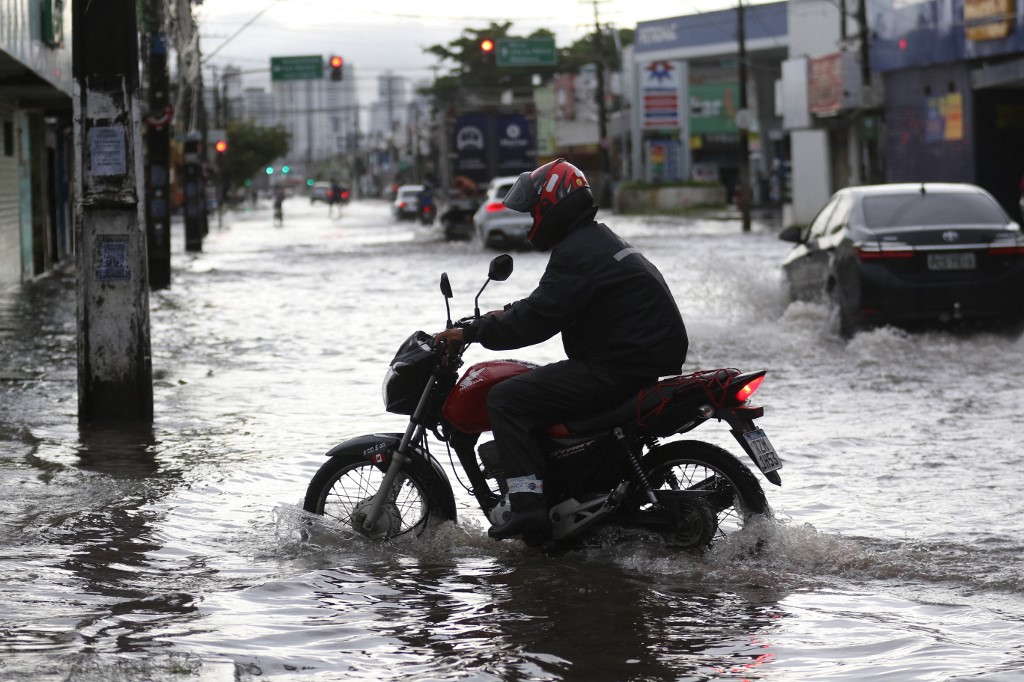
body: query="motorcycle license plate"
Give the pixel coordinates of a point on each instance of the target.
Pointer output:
(764, 454)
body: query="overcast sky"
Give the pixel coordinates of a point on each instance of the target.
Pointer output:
(390, 35)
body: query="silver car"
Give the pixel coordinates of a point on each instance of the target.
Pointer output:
(497, 226)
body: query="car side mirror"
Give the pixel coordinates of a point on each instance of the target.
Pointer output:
(793, 233)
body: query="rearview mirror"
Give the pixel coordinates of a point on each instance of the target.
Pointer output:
(446, 286)
(501, 268)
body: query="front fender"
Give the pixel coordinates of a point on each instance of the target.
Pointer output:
(377, 448)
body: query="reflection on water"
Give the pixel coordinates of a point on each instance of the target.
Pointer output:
(176, 552)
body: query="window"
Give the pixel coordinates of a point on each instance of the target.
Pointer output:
(931, 210)
(8, 138)
(840, 216)
(817, 229)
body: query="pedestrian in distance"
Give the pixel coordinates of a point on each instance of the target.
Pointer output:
(620, 326)
(279, 205)
(333, 198)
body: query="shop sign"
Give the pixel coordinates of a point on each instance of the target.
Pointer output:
(825, 85)
(944, 118)
(662, 87)
(989, 19)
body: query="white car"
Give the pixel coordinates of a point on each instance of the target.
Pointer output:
(406, 205)
(497, 226)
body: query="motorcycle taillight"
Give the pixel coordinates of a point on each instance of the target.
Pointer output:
(748, 389)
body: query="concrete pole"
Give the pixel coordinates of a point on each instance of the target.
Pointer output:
(744, 148)
(115, 375)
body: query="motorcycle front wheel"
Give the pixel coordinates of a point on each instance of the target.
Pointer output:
(725, 493)
(343, 488)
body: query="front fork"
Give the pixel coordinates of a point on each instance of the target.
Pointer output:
(413, 434)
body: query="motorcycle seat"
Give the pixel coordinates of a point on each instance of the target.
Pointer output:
(648, 401)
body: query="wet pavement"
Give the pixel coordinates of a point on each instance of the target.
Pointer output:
(174, 551)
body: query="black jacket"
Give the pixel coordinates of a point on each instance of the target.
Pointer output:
(611, 305)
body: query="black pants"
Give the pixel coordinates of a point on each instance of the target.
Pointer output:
(523, 405)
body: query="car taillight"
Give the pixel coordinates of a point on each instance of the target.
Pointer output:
(344, 195)
(495, 206)
(748, 389)
(869, 252)
(1013, 246)
(402, 204)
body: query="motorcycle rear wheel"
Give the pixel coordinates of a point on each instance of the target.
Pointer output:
(343, 487)
(737, 495)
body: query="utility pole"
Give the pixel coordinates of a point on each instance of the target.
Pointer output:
(115, 374)
(865, 43)
(158, 149)
(744, 193)
(602, 117)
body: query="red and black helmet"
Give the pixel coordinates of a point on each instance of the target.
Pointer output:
(557, 195)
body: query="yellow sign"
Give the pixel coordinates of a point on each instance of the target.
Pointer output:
(989, 19)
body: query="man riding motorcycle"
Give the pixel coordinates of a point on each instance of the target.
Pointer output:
(620, 326)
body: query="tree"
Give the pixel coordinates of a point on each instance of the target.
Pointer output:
(250, 149)
(471, 70)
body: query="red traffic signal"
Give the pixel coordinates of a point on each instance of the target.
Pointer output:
(487, 51)
(221, 146)
(337, 66)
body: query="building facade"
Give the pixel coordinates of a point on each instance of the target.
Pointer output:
(686, 101)
(954, 91)
(36, 230)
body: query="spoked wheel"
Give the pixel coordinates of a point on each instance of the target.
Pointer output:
(718, 495)
(343, 489)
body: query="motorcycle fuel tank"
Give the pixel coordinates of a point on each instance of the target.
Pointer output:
(466, 406)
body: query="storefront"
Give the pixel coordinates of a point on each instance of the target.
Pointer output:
(687, 122)
(35, 137)
(954, 83)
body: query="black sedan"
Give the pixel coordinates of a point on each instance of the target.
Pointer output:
(909, 253)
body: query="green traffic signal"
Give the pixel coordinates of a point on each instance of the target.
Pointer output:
(285, 169)
(309, 182)
(270, 170)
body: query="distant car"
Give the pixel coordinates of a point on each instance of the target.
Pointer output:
(906, 253)
(406, 203)
(497, 226)
(319, 192)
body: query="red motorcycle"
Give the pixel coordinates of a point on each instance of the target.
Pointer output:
(607, 469)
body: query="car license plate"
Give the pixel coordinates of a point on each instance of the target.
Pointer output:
(764, 454)
(951, 261)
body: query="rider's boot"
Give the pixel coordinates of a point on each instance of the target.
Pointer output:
(529, 515)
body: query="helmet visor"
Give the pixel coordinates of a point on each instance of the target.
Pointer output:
(524, 193)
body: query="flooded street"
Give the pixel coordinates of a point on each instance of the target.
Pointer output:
(175, 552)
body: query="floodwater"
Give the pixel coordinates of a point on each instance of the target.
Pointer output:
(175, 552)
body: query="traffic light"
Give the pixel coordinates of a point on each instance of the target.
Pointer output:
(337, 67)
(286, 169)
(487, 51)
(221, 146)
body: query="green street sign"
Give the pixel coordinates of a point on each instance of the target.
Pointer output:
(297, 68)
(526, 52)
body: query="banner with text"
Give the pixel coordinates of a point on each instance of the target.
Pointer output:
(663, 86)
